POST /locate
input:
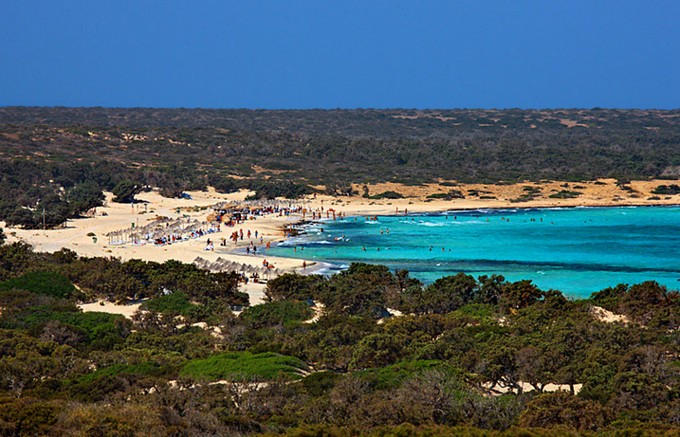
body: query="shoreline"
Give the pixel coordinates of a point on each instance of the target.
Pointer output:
(79, 234)
(576, 274)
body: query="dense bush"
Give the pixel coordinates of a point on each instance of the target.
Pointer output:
(295, 287)
(438, 369)
(176, 303)
(667, 189)
(245, 366)
(125, 191)
(276, 313)
(565, 194)
(42, 282)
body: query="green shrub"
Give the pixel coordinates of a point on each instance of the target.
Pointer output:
(276, 313)
(667, 189)
(392, 376)
(125, 191)
(565, 194)
(102, 330)
(320, 383)
(387, 195)
(176, 303)
(291, 286)
(240, 366)
(40, 282)
(478, 311)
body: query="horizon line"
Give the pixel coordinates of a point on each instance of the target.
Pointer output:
(357, 108)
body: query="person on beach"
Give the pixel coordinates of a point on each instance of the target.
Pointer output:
(304, 265)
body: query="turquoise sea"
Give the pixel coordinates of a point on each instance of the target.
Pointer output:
(575, 250)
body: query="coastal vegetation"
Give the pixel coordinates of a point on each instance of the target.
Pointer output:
(384, 354)
(565, 194)
(57, 161)
(667, 189)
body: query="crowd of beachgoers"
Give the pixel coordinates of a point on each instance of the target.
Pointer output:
(233, 229)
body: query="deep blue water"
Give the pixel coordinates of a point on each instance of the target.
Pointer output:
(575, 250)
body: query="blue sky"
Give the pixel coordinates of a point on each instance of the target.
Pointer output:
(341, 54)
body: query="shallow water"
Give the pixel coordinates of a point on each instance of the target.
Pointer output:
(575, 250)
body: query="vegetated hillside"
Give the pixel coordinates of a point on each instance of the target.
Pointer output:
(188, 366)
(362, 145)
(179, 149)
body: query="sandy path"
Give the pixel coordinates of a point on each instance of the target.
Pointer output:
(110, 308)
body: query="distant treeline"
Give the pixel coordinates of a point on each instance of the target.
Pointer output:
(42, 150)
(356, 370)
